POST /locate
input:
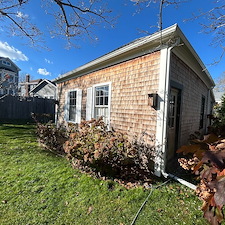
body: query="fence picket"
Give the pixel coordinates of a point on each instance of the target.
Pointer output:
(15, 107)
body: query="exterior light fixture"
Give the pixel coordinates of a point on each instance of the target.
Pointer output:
(153, 100)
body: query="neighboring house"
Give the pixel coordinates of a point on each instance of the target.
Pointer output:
(45, 89)
(155, 84)
(9, 76)
(28, 85)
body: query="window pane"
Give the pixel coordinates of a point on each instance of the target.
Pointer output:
(172, 111)
(107, 90)
(72, 113)
(97, 101)
(101, 95)
(106, 100)
(101, 101)
(72, 105)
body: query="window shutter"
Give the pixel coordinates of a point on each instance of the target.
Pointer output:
(89, 103)
(78, 103)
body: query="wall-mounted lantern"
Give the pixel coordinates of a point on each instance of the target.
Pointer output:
(153, 100)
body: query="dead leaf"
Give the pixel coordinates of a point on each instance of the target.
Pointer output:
(97, 154)
(185, 149)
(209, 138)
(66, 203)
(219, 195)
(90, 209)
(220, 146)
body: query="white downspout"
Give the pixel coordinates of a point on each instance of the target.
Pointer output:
(180, 180)
(162, 113)
(161, 135)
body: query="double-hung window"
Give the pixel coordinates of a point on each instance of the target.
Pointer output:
(101, 106)
(73, 105)
(98, 102)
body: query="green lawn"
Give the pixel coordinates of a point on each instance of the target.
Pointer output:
(37, 187)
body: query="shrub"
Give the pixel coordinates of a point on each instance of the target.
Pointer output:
(109, 153)
(218, 118)
(50, 136)
(220, 111)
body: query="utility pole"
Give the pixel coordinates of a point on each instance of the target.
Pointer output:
(160, 25)
(160, 15)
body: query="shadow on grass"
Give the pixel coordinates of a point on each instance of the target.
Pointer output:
(17, 132)
(17, 122)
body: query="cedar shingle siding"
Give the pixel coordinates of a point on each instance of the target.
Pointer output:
(192, 92)
(164, 63)
(131, 82)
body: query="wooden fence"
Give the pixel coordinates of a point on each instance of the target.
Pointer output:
(16, 107)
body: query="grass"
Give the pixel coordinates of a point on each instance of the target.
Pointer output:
(37, 187)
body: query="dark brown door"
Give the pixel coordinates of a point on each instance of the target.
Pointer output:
(172, 123)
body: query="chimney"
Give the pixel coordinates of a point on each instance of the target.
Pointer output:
(27, 86)
(28, 78)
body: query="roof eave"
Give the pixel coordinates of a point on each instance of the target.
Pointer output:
(137, 48)
(130, 48)
(12, 63)
(210, 82)
(44, 80)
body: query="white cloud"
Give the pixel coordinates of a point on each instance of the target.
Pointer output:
(9, 51)
(43, 72)
(48, 61)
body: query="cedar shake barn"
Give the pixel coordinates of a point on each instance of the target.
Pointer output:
(155, 84)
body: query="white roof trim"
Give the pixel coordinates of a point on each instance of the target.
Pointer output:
(119, 51)
(45, 80)
(134, 49)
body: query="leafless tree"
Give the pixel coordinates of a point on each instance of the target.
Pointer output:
(220, 83)
(214, 24)
(22, 77)
(72, 18)
(214, 19)
(162, 3)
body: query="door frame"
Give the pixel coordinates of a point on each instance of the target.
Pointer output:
(179, 88)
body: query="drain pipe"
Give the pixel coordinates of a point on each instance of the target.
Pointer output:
(180, 180)
(164, 128)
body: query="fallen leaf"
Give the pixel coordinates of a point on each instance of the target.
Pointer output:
(90, 209)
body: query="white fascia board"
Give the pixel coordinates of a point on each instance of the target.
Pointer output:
(45, 80)
(49, 82)
(129, 51)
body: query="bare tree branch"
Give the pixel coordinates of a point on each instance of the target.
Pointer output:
(18, 22)
(214, 24)
(71, 20)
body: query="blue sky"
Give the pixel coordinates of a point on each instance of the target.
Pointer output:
(40, 63)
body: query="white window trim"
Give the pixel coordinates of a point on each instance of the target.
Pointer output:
(92, 106)
(78, 105)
